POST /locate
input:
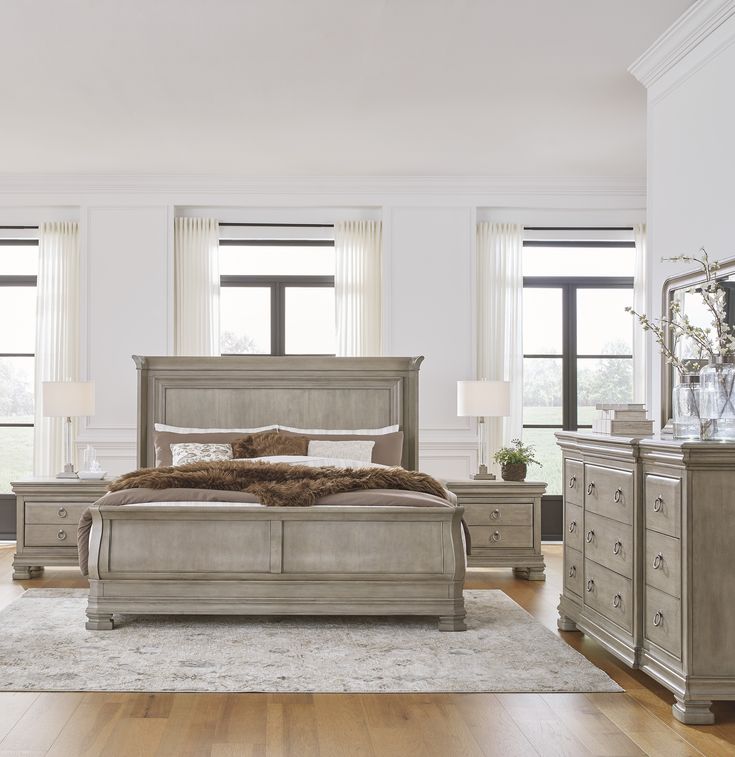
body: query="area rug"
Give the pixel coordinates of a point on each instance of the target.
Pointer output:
(45, 647)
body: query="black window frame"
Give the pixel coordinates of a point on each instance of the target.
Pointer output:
(277, 286)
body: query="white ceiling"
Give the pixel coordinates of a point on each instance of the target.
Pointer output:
(326, 87)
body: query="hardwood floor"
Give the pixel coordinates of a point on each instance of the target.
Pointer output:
(382, 725)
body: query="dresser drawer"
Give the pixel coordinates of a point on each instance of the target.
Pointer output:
(511, 514)
(662, 620)
(609, 543)
(663, 504)
(63, 513)
(51, 536)
(501, 537)
(574, 481)
(609, 492)
(609, 593)
(574, 527)
(663, 563)
(573, 571)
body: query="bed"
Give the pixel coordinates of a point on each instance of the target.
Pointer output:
(194, 557)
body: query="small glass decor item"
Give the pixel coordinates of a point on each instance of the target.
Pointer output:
(686, 407)
(717, 403)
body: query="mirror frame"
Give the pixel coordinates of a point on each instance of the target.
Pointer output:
(671, 285)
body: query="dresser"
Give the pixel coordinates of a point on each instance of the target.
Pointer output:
(48, 514)
(649, 531)
(504, 522)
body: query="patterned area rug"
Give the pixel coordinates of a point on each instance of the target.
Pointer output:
(45, 647)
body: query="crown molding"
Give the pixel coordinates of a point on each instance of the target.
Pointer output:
(181, 187)
(683, 36)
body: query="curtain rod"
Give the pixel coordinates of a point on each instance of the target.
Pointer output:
(578, 228)
(283, 225)
(18, 227)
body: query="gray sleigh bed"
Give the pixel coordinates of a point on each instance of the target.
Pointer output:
(224, 558)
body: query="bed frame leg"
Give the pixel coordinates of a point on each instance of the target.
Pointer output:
(452, 623)
(99, 621)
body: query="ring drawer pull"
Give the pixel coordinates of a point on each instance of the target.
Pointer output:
(658, 504)
(62, 512)
(617, 547)
(495, 514)
(658, 561)
(572, 571)
(572, 526)
(572, 482)
(590, 584)
(618, 496)
(658, 618)
(589, 537)
(590, 487)
(617, 600)
(495, 536)
(61, 534)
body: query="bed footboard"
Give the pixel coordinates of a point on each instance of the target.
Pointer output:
(239, 559)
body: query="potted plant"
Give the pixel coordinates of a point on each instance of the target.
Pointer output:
(514, 460)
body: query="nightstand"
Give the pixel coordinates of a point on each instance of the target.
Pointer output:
(48, 514)
(504, 521)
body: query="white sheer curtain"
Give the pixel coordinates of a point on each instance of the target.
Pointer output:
(500, 327)
(57, 334)
(357, 287)
(640, 305)
(196, 286)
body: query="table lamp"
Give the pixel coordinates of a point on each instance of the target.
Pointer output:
(483, 399)
(67, 399)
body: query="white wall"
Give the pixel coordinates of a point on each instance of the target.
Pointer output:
(429, 231)
(691, 147)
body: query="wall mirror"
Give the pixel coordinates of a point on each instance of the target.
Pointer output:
(676, 288)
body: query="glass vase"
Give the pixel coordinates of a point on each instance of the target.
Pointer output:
(685, 400)
(717, 398)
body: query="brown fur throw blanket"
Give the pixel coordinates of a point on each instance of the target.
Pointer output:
(278, 484)
(267, 443)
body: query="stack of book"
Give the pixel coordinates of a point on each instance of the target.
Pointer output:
(622, 420)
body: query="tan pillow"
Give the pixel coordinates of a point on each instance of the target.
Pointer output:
(162, 441)
(269, 443)
(388, 449)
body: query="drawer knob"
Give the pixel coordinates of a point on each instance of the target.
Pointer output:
(572, 526)
(618, 496)
(572, 571)
(617, 600)
(617, 547)
(590, 584)
(62, 512)
(589, 536)
(658, 504)
(495, 514)
(572, 482)
(658, 561)
(590, 487)
(495, 536)
(61, 534)
(658, 618)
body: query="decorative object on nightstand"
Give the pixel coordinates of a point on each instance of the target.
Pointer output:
(504, 521)
(48, 513)
(483, 399)
(514, 460)
(67, 399)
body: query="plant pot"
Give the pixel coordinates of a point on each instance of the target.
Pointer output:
(513, 471)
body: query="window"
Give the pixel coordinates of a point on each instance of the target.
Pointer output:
(277, 290)
(18, 271)
(577, 337)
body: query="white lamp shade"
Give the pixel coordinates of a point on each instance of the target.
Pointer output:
(68, 398)
(483, 398)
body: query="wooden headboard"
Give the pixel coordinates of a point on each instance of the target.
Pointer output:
(250, 391)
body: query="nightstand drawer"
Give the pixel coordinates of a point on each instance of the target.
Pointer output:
(609, 543)
(609, 593)
(51, 513)
(609, 492)
(51, 536)
(513, 514)
(573, 571)
(574, 527)
(501, 537)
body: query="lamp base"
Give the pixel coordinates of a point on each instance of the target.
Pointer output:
(483, 477)
(68, 472)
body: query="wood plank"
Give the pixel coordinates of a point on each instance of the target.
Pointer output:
(42, 723)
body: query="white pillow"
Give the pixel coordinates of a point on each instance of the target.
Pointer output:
(196, 452)
(335, 431)
(186, 430)
(352, 450)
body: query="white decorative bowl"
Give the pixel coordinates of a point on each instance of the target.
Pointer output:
(92, 475)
